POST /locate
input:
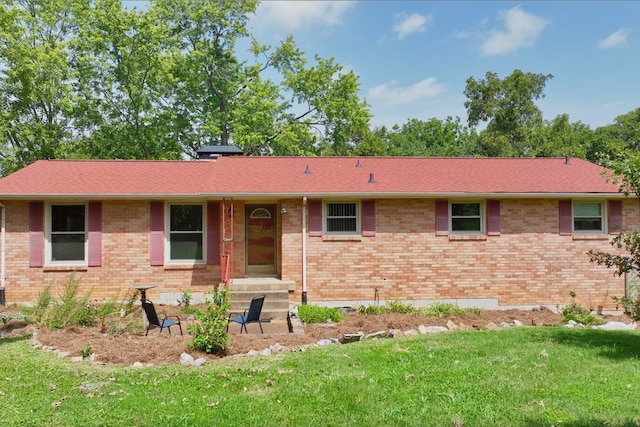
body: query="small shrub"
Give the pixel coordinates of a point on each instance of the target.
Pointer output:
(210, 333)
(310, 313)
(580, 314)
(442, 309)
(398, 307)
(70, 310)
(630, 304)
(5, 317)
(45, 299)
(86, 352)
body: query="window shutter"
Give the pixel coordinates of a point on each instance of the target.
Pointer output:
(368, 218)
(95, 234)
(442, 217)
(315, 218)
(157, 233)
(36, 234)
(565, 218)
(213, 233)
(493, 217)
(615, 216)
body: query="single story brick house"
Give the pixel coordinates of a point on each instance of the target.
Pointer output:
(486, 232)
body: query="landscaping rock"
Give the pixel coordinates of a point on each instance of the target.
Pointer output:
(199, 361)
(349, 338)
(432, 329)
(452, 326)
(186, 359)
(376, 335)
(617, 326)
(517, 323)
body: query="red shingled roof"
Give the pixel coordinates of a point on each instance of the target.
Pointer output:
(282, 176)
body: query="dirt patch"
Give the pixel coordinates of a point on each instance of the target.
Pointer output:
(158, 349)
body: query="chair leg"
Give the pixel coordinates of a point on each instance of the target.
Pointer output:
(260, 323)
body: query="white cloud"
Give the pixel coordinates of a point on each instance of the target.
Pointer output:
(617, 39)
(521, 29)
(409, 24)
(391, 95)
(293, 15)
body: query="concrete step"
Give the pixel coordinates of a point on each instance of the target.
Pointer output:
(261, 284)
(276, 303)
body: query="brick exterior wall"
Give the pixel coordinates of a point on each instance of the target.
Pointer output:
(529, 263)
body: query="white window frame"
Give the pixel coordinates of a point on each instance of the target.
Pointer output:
(482, 217)
(48, 226)
(168, 232)
(326, 217)
(603, 216)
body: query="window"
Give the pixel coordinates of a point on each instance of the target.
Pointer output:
(67, 234)
(341, 218)
(466, 217)
(186, 233)
(588, 217)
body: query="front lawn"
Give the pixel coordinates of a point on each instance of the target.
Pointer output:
(515, 377)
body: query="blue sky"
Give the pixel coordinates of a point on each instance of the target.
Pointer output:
(413, 57)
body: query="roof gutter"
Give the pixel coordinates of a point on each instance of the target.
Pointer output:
(319, 195)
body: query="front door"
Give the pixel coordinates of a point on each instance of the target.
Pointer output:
(260, 225)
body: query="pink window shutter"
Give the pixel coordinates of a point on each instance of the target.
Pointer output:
(95, 234)
(442, 217)
(615, 216)
(368, 218)
(565, 218)
(493, 217)
(36, 234)
(157, 233)
(213, 233)
(315, 218)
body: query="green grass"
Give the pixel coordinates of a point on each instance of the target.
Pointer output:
(514, 377)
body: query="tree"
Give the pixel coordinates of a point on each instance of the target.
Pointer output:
(36, 92)
(509, 109)
(96, 80)
(123, 109)
(230, 101)
(559, 137)
(609, 142)
(433, 137)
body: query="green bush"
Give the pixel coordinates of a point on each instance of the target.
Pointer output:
(399, 307)
(442, 309)
(630, 304)
(210, 331)
(71, 310)
(580, 314)
(309, 313)
(5, 317)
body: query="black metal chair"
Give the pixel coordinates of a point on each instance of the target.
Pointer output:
(250, 315)
(155, 322)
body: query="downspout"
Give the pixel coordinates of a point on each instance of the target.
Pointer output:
(304, 250)
(3, 241)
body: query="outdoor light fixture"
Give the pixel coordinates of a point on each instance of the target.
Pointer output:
(283, 209)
